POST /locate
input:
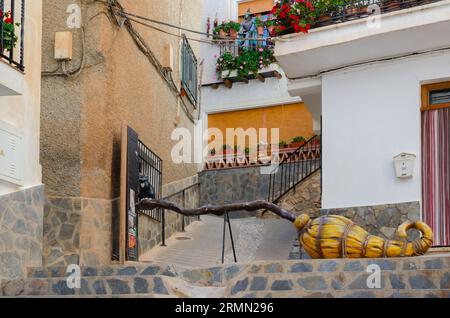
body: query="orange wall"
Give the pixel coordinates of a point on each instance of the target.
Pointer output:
(255, 6)
(293, 120)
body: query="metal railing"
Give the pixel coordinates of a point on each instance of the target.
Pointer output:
(12, 28)
(150, 166)
(295, 168)
(357, 9)
(163, 215)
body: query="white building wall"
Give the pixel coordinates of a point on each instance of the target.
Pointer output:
(224, 10)
(22, 109)
(370, 115)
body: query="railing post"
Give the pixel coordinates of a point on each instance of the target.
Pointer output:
(2, 7)
(11, 52)
(184, 205)
(22, 36)
(163, 228)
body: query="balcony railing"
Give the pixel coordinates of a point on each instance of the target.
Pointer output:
(12, 25)
(358, 9)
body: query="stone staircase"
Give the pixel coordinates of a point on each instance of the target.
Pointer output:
(427, 276)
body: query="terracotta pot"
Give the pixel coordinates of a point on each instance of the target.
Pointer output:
(222, 34)
(233, 34)
(392, 6)
(296, 144)
(351, 11)
(260, 30)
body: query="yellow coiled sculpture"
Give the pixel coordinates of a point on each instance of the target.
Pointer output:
(333, 236)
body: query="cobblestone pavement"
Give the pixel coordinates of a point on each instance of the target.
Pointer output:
(201, 245)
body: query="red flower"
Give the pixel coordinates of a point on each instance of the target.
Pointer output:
(8, 20)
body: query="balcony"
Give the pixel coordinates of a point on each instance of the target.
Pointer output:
(12, 33)
(362, 32)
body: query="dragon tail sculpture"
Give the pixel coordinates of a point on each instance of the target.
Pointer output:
(335, 236)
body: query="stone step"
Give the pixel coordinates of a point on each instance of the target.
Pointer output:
(333, 281)
(431, 293)
(113, 270)
(105, 286)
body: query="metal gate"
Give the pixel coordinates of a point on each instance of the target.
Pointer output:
(141, 177)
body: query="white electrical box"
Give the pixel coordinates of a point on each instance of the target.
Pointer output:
(63, 45)
(11, 154)
(404, 165)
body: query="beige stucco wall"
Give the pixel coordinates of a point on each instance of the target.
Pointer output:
(22, 110)
(82, 117)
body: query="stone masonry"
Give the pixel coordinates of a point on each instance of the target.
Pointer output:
(21, 215)
(426, 276)
(78, 231)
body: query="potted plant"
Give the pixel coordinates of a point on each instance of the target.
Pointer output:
(235, 27)
(390, 5)
(293, 16)
(283, 144)
(324, 10)
(9, 36)
(260, 26)
(222, 30)
(298, 142)
(270, 24)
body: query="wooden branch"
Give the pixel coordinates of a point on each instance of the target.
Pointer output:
(148, 204)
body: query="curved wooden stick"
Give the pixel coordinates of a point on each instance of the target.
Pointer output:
(148, 204)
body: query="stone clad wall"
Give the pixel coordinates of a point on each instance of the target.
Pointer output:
(233, 185)
(78, 231)
(21, 215)
(150, 231)
(381, 220)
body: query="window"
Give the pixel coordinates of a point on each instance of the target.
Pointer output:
(435, 96)
(189, 72)
(440, 96)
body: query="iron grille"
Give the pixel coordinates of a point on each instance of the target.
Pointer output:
(12, 30)
(150, 165)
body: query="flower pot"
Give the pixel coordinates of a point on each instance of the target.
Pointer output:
(323, 19)
(233, 34)
(222, 34)
(392, 6)
(351, 11)
(260, 30)
(297, 144)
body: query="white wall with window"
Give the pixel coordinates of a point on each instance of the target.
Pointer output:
(370, 115)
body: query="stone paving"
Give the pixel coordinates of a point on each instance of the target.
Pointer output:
(201, 245)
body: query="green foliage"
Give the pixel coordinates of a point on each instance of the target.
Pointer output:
(10, 37)
(259, 22)
(299, 139)
(248, 62)
(283, 144)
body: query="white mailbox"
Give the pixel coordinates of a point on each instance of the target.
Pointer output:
(404, 165)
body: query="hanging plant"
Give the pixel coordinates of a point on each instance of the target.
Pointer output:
(293, 16)
(9, 36)
(247, 63)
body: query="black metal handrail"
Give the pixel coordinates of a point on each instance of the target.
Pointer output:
(357, 9)
(11, 14)
(295, 168)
